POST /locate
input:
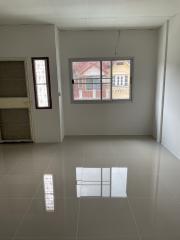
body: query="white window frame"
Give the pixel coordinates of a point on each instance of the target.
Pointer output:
(131, 59)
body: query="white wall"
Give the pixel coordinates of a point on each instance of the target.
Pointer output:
(171, 119)
(160, 85)
(125, 118)
(35, 41)
(58, 64)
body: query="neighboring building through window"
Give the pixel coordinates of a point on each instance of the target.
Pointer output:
(101, 80)
(41, 77)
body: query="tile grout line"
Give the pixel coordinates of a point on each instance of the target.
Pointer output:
(23, 217)
(79, 200)
(134, 219)
(27, 210)
(78, 217)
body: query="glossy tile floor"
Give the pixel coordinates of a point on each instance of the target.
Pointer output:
(89, 188)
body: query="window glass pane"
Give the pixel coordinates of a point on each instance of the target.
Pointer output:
(91, 90)
(96, 84)
(106, 81)
(86, 78)
(40, 71)
(42, 95)
(106, 69)
(121, 71)
(89, 84)
(106, 91)
(83, 70)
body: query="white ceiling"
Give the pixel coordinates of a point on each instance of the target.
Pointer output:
(89, 14)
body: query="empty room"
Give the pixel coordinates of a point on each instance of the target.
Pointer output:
(89, 120)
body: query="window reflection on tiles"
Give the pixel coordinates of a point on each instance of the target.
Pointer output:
(49, 192)
(101, 182)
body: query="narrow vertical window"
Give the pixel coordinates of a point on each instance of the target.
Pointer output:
(41, 77)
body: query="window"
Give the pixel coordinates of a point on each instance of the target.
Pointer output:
(101, 80)
(41, 77)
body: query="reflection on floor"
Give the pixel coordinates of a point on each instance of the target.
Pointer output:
(49, 192)
(101, 182)
(89, 188)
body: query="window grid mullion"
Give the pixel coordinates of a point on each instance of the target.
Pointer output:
(37, 84)
(101, 183)
(101, 77)
(111, 83)
(110, 182)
